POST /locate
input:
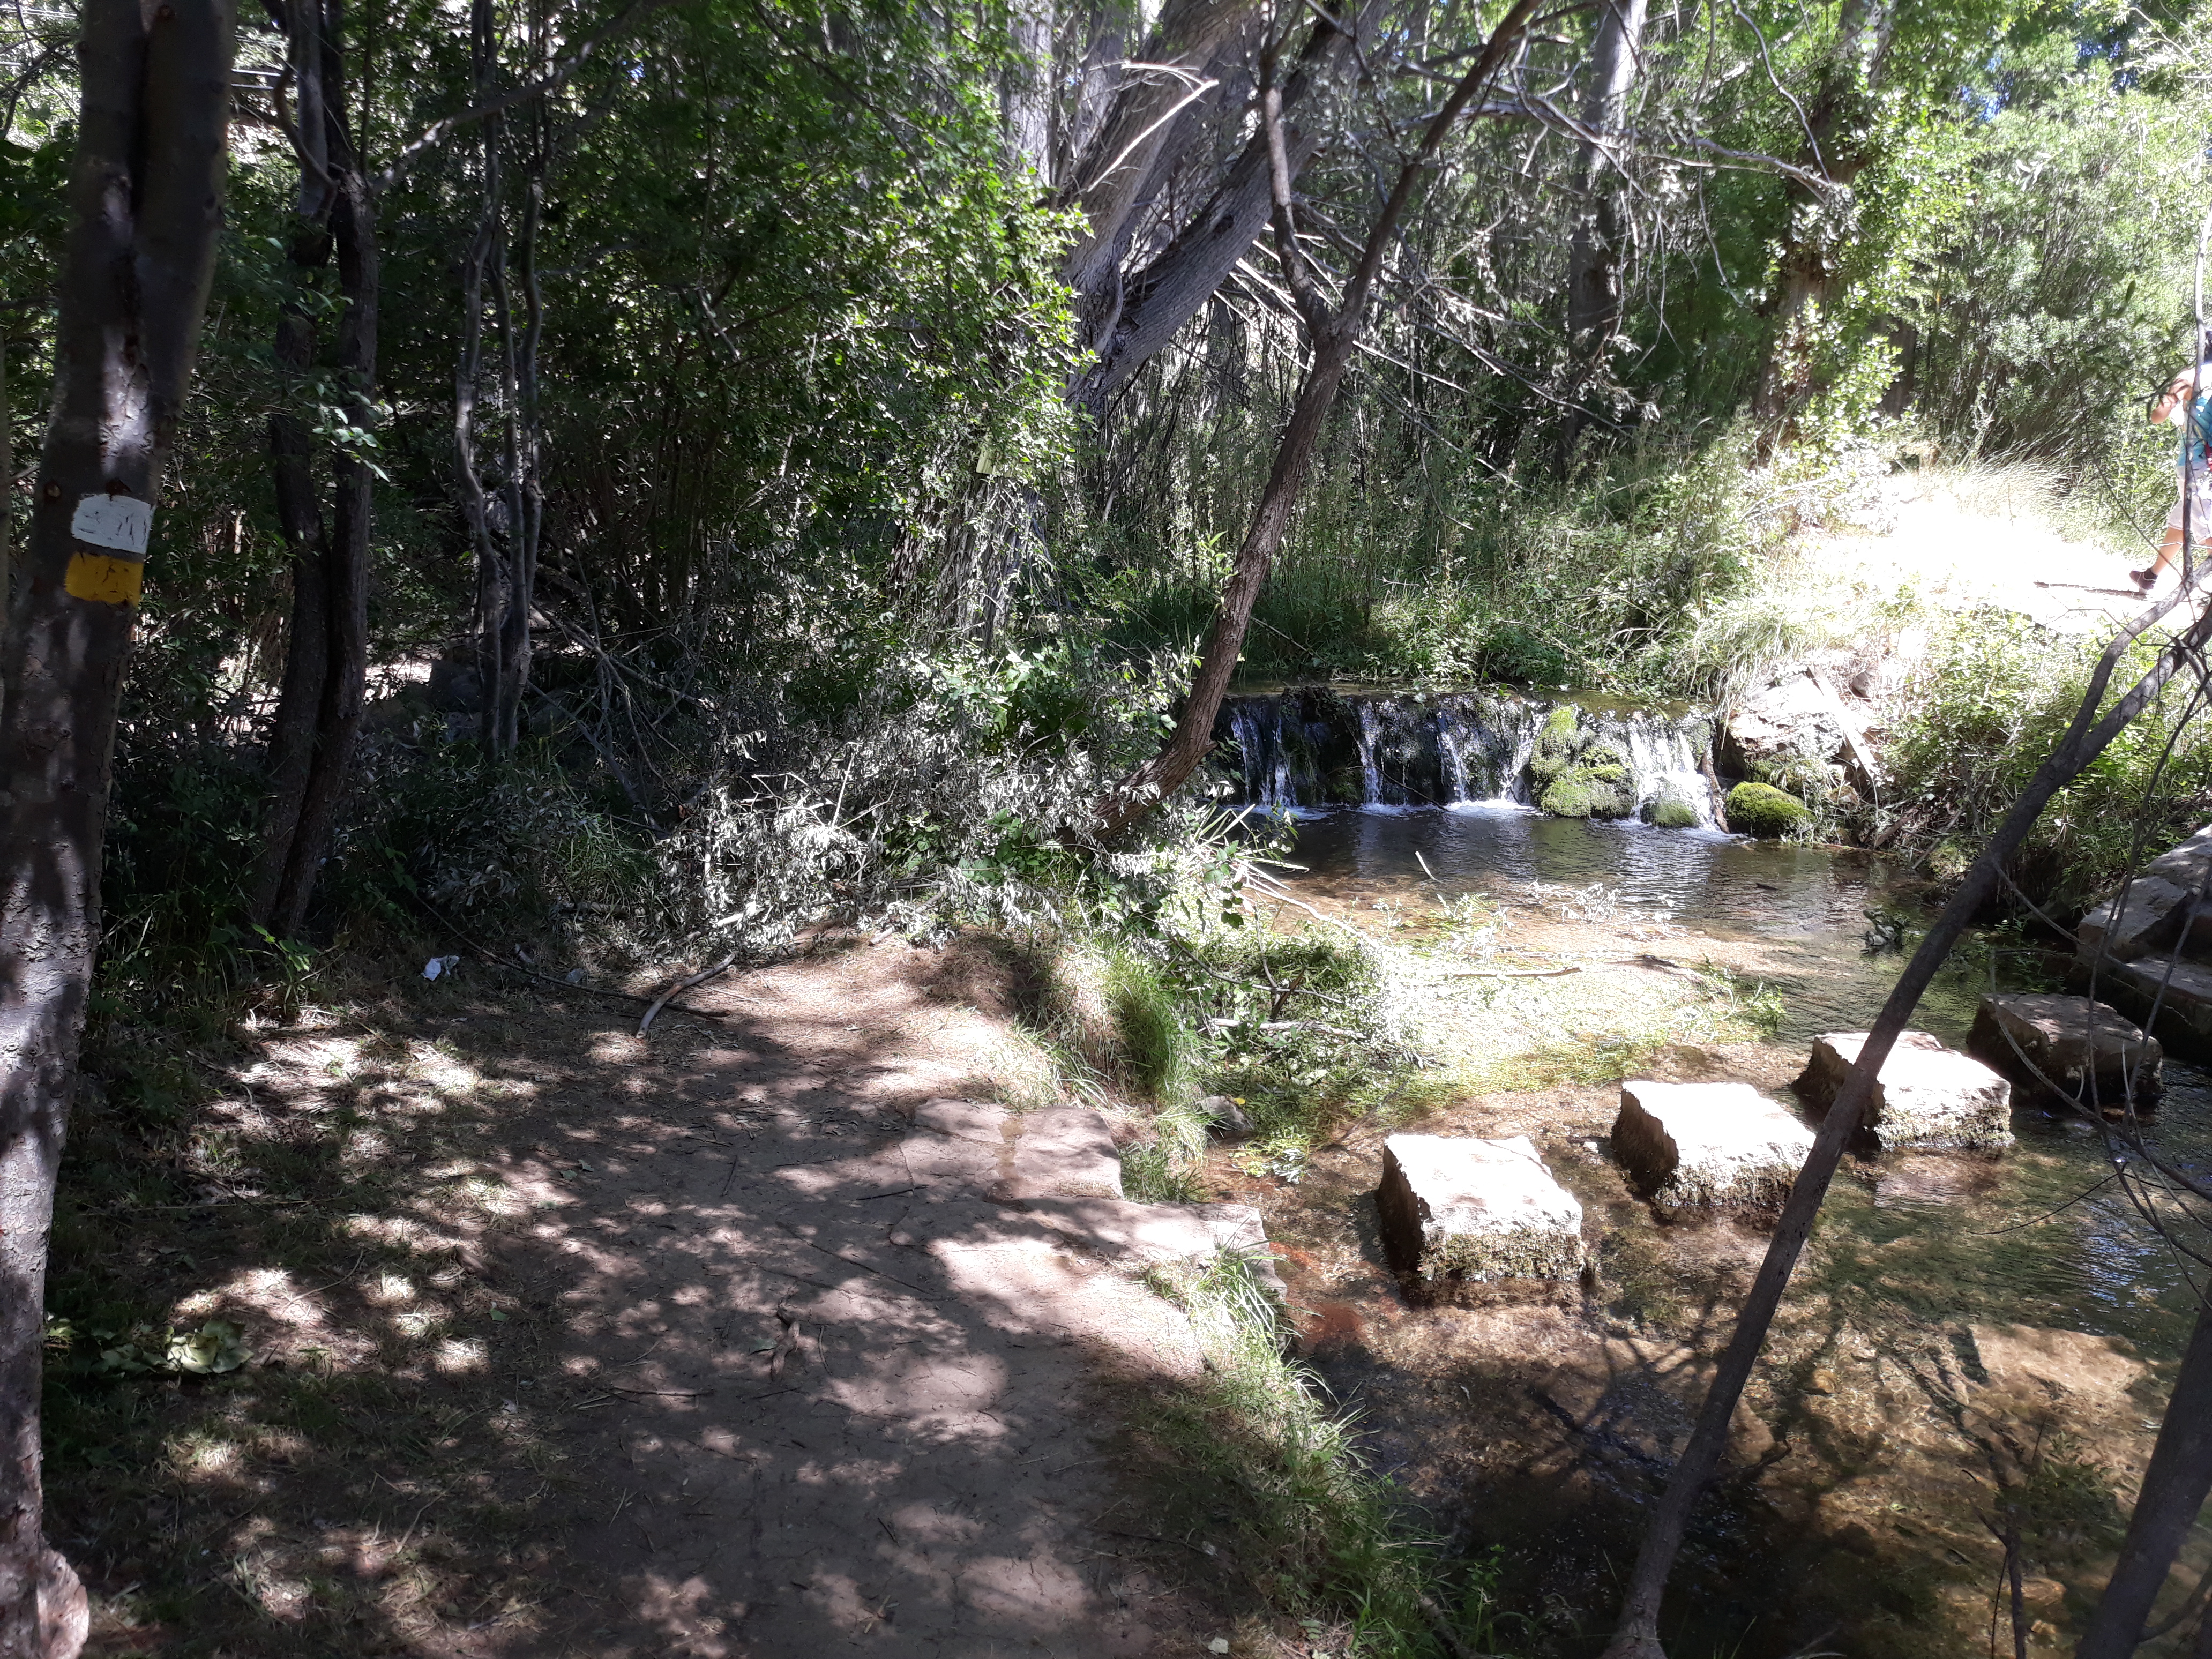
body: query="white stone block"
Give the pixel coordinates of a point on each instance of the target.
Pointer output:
(1927, 1095)
(1456, 1207)
(1708, 1145)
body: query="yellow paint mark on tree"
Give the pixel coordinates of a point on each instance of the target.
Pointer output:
(107, 581)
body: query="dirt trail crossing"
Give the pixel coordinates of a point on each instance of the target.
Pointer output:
(847, 1341)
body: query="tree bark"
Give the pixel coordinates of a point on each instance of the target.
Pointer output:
(291, 752)
(1025, 101)
(1594, 251)
(1636, 1636)
(2173, 1489)
(1129, 319)
(1334, 338)
(1836, 150)
(1153, 108)
(145, 203)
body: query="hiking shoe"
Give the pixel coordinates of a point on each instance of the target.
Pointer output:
(2144, 580)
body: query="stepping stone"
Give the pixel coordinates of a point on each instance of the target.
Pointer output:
(2067, 1048)
(1720, 1145)
(1061, 1151)
(1461, 1208)
(2181, 991)
(1926, 1095)
(2151, 917)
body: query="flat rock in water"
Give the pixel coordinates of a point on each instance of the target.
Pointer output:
(1717, 1145)
(2147, 916)
(2180, 990)
(2079, 1050)
(1456, 1207)
(1927, 1095)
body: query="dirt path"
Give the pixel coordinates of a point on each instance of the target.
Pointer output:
(761, 1337)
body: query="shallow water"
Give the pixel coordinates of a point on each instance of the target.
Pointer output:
(1945, 1238)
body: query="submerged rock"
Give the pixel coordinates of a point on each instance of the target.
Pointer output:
(2079, 1051)
(1927, 1095)
(1670, 810)
(1462, 1208)
(1760, 809)
(1717, 1144)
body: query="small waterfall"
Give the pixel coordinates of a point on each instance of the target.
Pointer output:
(1664, 762)
(1312, 748)
(1486, 744)
(1370, 767)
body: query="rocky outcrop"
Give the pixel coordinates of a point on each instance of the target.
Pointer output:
(1926, 1095)
(1461, 1208)
(2149, 946)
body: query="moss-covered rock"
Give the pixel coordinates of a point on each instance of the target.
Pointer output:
(1670, 811)
(1760, 809)
(1609, 799)
(1569, 796)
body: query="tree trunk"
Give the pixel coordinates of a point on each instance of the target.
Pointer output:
(345, 686)
(1637, 1637)
(1025, 102)
(291, 752)
(1594, 253)
(2174, 1490)
(1127, 320)
(1835, 133)
(145, 203)
(1334, 338)
(324, 686)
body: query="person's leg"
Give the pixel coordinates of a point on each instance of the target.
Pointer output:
(2169, 551)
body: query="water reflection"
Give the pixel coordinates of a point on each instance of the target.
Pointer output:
(1948, 1238)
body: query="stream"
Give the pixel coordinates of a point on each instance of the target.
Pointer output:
(1917, 1252)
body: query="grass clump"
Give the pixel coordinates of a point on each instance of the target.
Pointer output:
(1265, 1470)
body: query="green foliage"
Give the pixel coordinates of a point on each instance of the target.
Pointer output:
(1250, 1456)
(1760, 809)
(1994, 695)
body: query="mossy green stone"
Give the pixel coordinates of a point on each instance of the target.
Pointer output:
(1671, 812)
(1607, 799)
(1760, 809)
(1568, 797)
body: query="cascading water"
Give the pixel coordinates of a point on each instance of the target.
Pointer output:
(1663, 763)
(1314, 748)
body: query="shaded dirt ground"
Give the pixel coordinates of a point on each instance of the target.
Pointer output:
(569, 1343)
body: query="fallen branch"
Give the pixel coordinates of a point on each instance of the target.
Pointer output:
(682, 985)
